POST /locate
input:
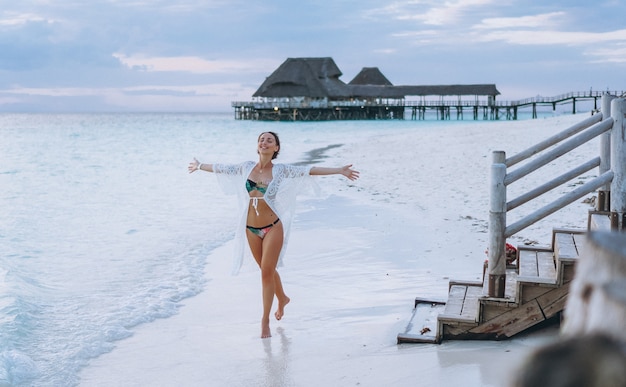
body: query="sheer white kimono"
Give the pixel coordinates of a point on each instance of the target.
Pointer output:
(287, 182)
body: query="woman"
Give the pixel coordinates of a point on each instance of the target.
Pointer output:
(268, 191)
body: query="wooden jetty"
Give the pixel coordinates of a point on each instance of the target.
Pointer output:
(288, 110)
(309, 89)
(513, 298)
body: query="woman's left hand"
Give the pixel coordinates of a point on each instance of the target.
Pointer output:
(350, 173)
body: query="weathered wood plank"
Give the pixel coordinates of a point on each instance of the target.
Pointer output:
(565, 248)
(456, 295)
(600, 221)
(538, 271)
(492, 309)
(510, 287)
(512, 322)
(528, 263)
(554, 301)
(465, 282)
(530, 291)
(510, 290)
(452, 331)
(423, 326)
(565, 230)
(579, 241)
(471, 304)
(545, 265)
(568, 271)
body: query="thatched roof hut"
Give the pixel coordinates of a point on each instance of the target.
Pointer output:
(443, 90)
(304, 77)
(370, 76)
(319, 78)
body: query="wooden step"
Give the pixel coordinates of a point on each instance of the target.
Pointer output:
(599, 221)
(567, 244)
(536, 264)
(537, 273)
(536, 290)
(462, 309)
(423, 327)
(463, 303)
(510, 287)
(509, 323)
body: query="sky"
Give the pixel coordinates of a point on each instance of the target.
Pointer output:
(201, 55)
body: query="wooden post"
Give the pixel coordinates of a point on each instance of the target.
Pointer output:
(618, 161)
(597, 298)
(602, 204)
(497, 225)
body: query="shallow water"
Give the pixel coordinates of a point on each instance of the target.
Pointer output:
(103, 229)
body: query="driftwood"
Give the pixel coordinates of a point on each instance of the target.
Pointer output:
(597, 299)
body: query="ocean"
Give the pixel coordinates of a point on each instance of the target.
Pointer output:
(103, 229)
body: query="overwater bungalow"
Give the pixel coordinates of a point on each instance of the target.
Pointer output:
(309, 89)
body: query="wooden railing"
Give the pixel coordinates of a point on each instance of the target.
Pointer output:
(609, 124)
(287, 103)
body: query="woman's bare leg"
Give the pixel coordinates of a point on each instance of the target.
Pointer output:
(281, 296)
(256, 246)
(272, 244)
(266, 252)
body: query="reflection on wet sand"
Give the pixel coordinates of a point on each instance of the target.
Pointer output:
(277, 360)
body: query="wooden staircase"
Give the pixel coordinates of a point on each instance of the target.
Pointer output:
(536, 290)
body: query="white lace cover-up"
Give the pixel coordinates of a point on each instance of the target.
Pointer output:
(287, 182)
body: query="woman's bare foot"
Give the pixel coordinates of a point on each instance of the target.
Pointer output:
(280, 311)
(265, 329)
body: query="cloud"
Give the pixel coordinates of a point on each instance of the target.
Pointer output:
(193, 64)
(541, 30)
(17, 19)
(428, 12)
(422, 36)
(198, 97)
(447, 13)
(608, 55)
(533, 21)
(195, 90)
(551, 37)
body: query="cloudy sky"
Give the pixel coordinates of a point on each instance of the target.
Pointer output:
(199, 55)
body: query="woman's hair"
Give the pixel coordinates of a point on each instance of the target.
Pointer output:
(277, 142)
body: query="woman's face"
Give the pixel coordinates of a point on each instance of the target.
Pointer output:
(268, 144)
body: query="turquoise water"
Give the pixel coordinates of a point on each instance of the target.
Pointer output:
(103, 229)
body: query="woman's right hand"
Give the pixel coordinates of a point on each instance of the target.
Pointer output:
(193, 166)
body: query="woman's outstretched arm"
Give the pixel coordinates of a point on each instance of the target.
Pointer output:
(346, 170)
(195, 165)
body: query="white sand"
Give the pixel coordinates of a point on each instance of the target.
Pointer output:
(357, 259)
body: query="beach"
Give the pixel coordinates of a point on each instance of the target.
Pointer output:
(357, 258)
(348, 304)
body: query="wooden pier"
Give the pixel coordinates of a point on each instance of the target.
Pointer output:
(292, 110)
(310, 89)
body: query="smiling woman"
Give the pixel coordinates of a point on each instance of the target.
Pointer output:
(267, 193)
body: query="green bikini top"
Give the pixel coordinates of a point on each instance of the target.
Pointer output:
(252, 185)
